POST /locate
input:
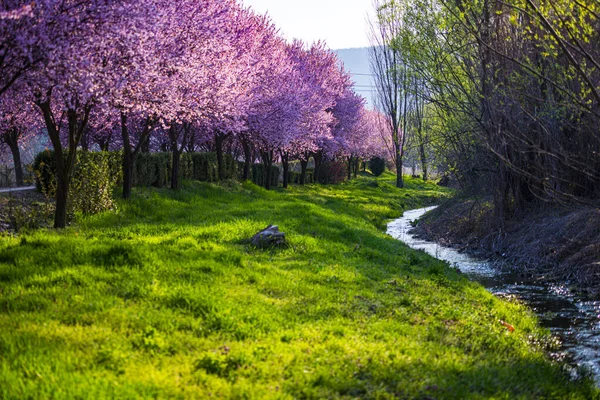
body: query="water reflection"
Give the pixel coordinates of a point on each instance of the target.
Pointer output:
(574, 320)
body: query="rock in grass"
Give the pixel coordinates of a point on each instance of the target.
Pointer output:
(269, 237)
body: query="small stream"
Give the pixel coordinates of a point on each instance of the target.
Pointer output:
(575, 321)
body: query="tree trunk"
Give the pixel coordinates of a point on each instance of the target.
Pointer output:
(127, 159)
(219, 139)
(303, 166)
(85, 141)
(191, 146)
(175, 170)
(128, 165)
(247, 159)
(267, 157)
(64, 164)
(423, 161)
(103, 143)
(12, 139)
(318, 157)
(350, 167)
(62, 191)
(145, 147)
(176, 156)
(285, 162)
(399, 172)
(356, 166)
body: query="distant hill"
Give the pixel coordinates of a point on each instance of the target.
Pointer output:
(356, 61)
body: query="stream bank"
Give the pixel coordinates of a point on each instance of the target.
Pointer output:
(557, 245)
(573, 319)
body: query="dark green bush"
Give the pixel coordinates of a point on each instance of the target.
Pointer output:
(92, 184)
(94, 176)
(377, 166)
(44, 168)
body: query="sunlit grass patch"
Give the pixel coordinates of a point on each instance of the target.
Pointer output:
(165, 297)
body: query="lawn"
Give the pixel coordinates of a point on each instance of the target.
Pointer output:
(165, 298)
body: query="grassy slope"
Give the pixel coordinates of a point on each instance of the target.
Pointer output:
(165, 299)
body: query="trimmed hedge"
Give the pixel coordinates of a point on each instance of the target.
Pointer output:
(154, 169)
(258, 175)
(94, 176)
(294, 176)
(150, 169)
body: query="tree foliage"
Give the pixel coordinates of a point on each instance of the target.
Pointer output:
(513, 92)
(181, 76)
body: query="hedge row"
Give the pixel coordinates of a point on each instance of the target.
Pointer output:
(96, 173)
(151, 169)
(294, 176)
(154, 169)
(258, 175)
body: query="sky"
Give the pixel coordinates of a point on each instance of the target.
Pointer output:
(341, 23)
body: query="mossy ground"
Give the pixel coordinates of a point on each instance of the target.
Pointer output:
(165, 298)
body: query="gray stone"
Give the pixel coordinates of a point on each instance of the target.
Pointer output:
(269, 237)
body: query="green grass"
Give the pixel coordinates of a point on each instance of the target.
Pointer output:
(164, 298)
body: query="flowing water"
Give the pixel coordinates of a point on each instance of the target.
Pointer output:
(573, 320)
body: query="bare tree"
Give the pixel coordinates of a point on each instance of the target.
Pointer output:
(391, 75)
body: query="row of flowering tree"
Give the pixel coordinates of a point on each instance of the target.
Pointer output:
(177, 75)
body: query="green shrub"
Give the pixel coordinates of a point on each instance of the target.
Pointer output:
(94, 176)
(96, 173)
(92, 184)
(44, 168)
(377, 166)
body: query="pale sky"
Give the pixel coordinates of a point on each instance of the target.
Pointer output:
(340, 23)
